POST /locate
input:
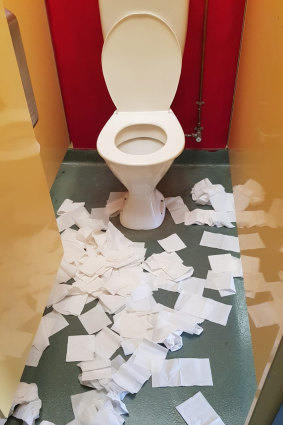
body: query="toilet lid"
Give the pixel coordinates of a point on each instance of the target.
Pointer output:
(141, 62)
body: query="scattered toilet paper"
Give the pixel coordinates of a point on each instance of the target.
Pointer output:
(197, 411)
(106, 266)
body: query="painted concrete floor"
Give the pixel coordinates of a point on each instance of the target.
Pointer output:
(83, 176)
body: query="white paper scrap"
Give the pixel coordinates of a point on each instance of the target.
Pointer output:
(106, 415)
(174, 341)
(61, 276)
(177, 209)
(64, 221)
(68, 268)
(232, 216)
(172, 243)
(275, 211)
(71, 305)
(86, 405)
(91, 375)
(115, 203)
(68, 205)
(24, 394)
(129, 345)
(115, 239)
(93, 265)
(116, 281)
(107, 342)
(117, 403)
(99, 214)
(251, 241)
(197, 411)
(112, 303)
(250, 264)
(220, 241)
(131, 325)
(222, 201)
(170, 324)
(172, 265)
(203, 190)
(207, 308)
(266, 314)
(29, 412)
(241, 198)
(183, 298)
(41, 339)
(223, 282)
(131, 377)
(96, 363)
(253, 282)
(194, 285)
(54, 322)
(276, 289)
(257, 218)
(182, 372)
(81, 217)
(80, 348)
(209, 217)
(255, 190)
(33, 357)
(186, 323)
(148, 351)
(226, 263)
(94, 319)
(58, 293)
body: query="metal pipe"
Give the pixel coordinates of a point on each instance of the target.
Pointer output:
(198, 129)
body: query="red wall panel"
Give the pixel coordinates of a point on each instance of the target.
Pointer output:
(224, 28)
(77, 40)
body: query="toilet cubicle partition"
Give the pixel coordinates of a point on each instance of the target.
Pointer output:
(256, 152)
(30, 246)
(29, 30)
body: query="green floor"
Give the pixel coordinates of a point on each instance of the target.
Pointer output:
(83, 176)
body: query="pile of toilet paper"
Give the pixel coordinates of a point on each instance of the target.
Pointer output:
(100, 264)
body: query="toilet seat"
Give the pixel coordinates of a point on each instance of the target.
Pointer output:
(166, 120)
(141, 63)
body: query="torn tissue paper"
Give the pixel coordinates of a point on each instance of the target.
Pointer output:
(107, 267)
(177, 209)
(197, 411)
(209, 217)
(203, 190)
(172, 243)
(222, 282)
(181, 372)
(80, 348)
(219, 241)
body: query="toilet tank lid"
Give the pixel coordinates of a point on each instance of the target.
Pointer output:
(141, 63)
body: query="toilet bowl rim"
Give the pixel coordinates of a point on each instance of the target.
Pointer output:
(166, 120)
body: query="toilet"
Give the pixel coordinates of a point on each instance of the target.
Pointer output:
(141, 63)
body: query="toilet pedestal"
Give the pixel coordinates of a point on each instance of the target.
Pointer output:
(143, 213)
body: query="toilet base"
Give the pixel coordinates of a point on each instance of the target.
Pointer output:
(140, 213)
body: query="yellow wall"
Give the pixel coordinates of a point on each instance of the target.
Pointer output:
(51, 129)
(256, 146)
(30, 247)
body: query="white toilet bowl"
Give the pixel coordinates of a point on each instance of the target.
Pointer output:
(141, 61)
(139, 148)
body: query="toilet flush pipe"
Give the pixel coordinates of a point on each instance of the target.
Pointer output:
(198, 129)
